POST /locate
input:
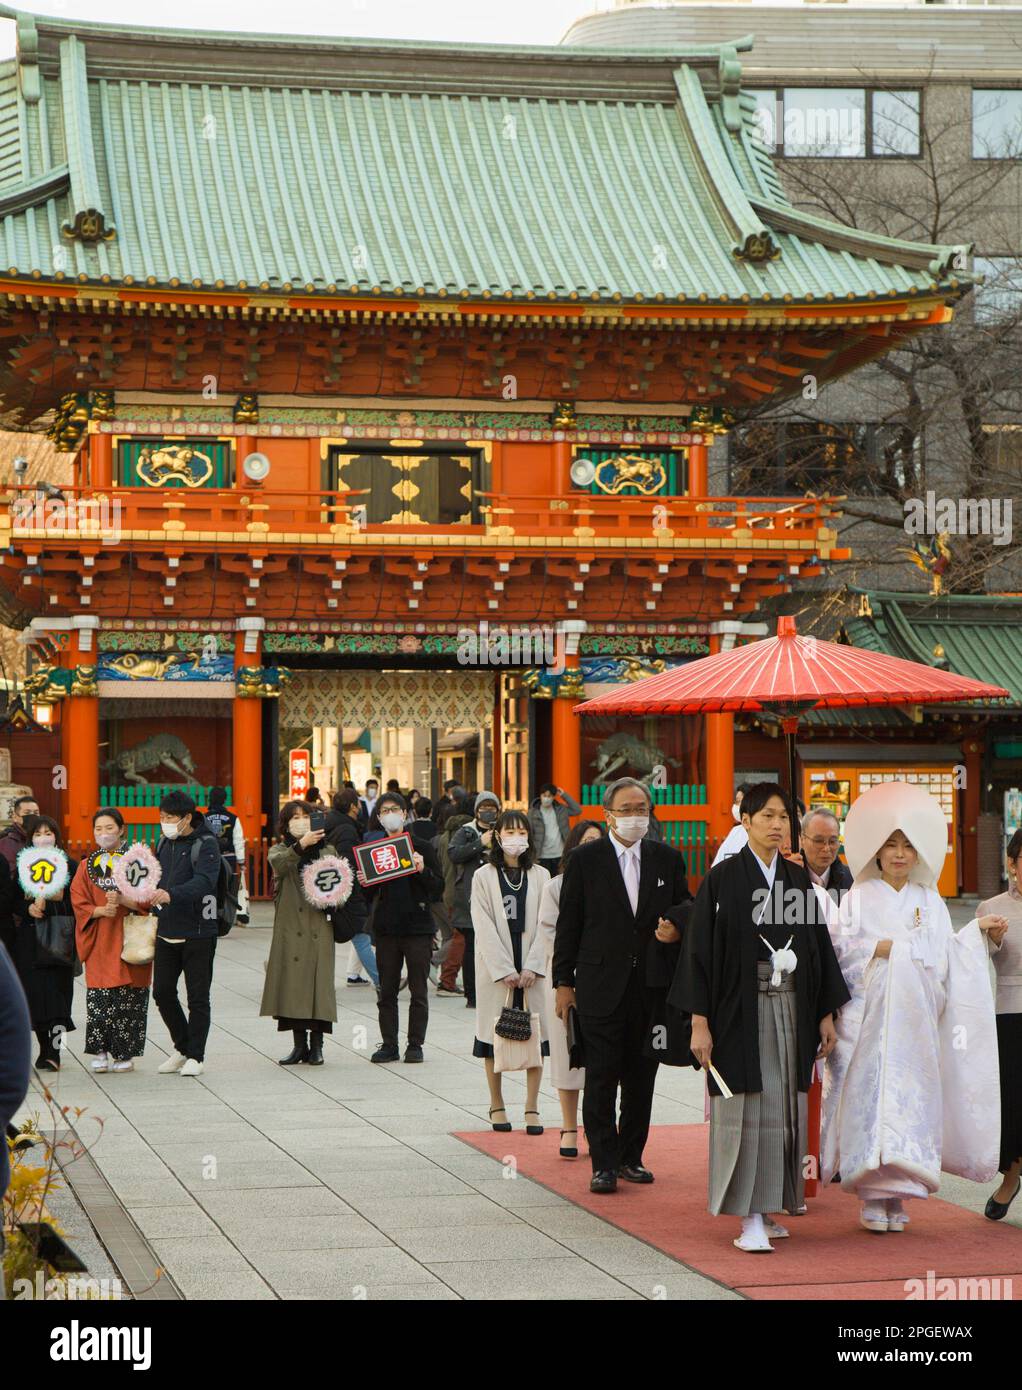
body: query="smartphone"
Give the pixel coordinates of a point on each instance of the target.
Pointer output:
(317, 820)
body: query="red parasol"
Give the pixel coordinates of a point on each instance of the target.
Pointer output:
(790, 675)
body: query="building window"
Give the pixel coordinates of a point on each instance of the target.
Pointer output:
(996, 123)
(839, 122)
(999, 298)
(781, 458)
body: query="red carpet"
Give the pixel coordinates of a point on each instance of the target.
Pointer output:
(828, 1255)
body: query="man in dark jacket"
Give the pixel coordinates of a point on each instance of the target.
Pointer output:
(820, 841)
(451, 955)
(404, 928)
(615, 900)
(468, 850)
(549, 823)
(13, 840)
(447, 806)
(186, 936)
(344, 830)
(15, 1063)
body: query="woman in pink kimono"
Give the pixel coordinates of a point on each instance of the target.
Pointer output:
(912, 1086)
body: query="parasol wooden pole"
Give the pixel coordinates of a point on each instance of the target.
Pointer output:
(789, 724)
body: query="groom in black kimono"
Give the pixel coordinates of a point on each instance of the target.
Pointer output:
(757, 970)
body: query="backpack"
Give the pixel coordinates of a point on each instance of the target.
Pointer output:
(226, 886)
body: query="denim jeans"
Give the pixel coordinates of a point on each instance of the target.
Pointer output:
(363, 944)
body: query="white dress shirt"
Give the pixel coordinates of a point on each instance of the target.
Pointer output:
(630, 864)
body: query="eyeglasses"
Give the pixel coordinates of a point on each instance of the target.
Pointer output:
(815, 840)
(633, 810)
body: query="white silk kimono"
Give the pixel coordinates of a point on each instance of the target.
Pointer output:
(912, 1087)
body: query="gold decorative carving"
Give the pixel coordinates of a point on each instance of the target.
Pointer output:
(89, 227)
(648, 475)
(148, 665)
(563, 416)
(246, 409)
(157, 467)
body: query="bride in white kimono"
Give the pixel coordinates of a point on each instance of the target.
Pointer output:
(912, 1087)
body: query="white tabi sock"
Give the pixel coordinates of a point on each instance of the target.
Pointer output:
(752, 1226)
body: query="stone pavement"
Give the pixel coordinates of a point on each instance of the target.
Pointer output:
(345, 1181)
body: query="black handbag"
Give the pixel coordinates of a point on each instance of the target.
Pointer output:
(55, 939)
(514, 1024)
(343, 923)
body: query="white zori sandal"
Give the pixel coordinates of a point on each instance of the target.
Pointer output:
(774, 1230)
(753, 1239)
(873, 1217)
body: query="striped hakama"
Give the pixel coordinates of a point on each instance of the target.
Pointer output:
(758, 1139)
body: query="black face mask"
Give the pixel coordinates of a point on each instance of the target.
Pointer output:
(487, 818)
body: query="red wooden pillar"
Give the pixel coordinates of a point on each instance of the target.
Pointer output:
(101, 460)
(973, 749)
(698, 470)
(566, 736)
(247, 747)
(720, 765)
(79, 735)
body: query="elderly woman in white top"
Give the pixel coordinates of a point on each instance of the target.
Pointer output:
(509, 952)
(912, 1086)
(1006, 951)
(569, 1080)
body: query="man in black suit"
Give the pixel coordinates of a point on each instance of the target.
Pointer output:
(820, 841)
(616, 895)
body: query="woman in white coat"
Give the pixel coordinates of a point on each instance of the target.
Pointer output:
(509, 952)
(569, 1080)
(912, 1085)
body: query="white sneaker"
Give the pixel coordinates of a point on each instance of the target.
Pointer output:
(129, 1065)
(774, 1230)
(100, 1062)
(192, 1068)
(174, 1062)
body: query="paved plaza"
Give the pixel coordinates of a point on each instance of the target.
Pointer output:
(347, 1181)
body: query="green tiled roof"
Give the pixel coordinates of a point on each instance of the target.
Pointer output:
(981, 636)
(311, 165)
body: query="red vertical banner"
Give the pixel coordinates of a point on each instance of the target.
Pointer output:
(299, 773)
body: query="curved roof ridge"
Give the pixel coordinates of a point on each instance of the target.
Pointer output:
(936, 260)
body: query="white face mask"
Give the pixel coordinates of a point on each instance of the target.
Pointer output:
(514, 844)
(44, 841)
(300, 825)
(170, 828)
(631, 828)
(108, 839)
(392, 820)
(546, 800)
(736, 813)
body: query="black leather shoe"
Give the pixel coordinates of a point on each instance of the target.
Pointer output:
(296, 1055)
(315, 1049)
(413, 1053)
(605, 1181)
(997, 1211)
(634, 1172)
(386, 1054)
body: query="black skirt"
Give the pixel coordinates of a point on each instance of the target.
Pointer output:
(1009, 1050)
(303, 1025)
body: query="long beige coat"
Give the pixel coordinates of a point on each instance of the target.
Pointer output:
(494, 955)
(300, 971)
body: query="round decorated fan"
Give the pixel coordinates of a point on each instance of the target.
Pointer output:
(327, 882)
(43, 871)
(100, 866)
(137, 873)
